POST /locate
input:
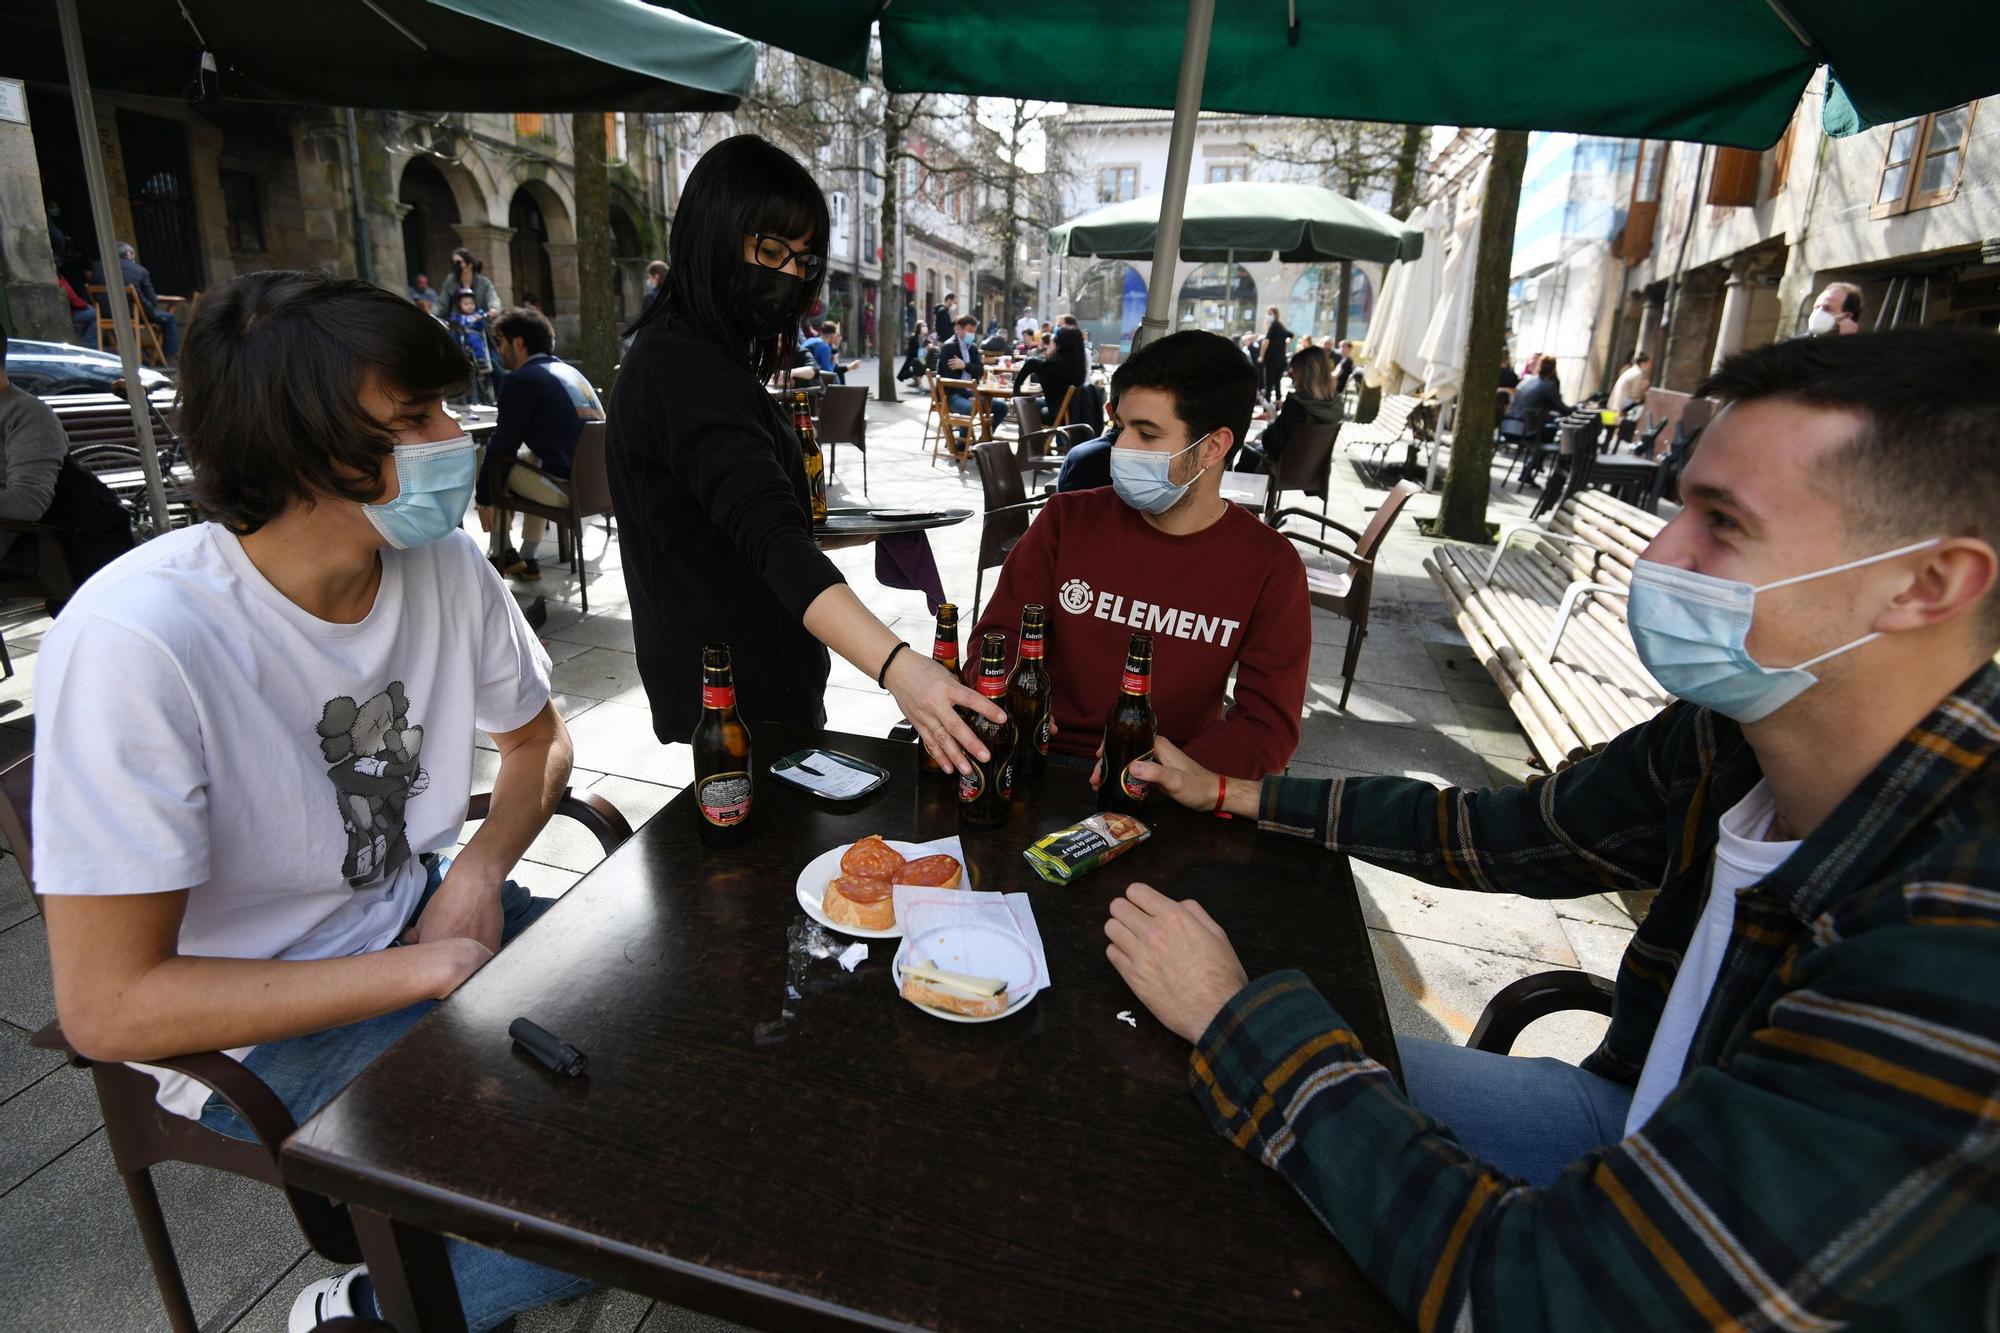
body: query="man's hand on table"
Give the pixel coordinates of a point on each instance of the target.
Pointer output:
(1174, 957)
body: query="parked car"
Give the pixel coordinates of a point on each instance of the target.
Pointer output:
(44, 368)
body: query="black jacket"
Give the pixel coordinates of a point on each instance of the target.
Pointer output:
(1299, 411)
(1536, 392)
(968, 352)
(716, 529)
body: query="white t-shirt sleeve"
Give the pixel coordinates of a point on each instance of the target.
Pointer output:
(121, 779)
(513, 666)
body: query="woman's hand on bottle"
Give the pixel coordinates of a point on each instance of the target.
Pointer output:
(930, 698)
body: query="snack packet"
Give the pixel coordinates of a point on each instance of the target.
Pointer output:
(1072, 852)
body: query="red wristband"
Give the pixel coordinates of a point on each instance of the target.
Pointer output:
(1221, 795)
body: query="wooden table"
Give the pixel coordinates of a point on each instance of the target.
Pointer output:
(863, 1162)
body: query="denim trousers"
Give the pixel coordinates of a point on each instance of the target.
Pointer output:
(1528, 1117)
(305, 1072)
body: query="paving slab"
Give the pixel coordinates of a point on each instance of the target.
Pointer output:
(16, 903)
(601, 673)
(618, 738)
(637, 801)
(1496, 922)
(1374, 701)
(27, 994)
(599, 631)
(1599, 948)
(602, 1311)
(1375, 747)
(271, 1311)
(45, 1120)
(667, 1318)
(1492, 732)
(21, 1065)
(1438, 991)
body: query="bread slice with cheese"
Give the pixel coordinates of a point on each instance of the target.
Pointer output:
(927, 984)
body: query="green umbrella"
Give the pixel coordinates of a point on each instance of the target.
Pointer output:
(432, 55)
(1716, 71)
(1244, 220)
(438, 55)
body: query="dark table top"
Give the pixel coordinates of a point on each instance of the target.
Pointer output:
(882, 521)
(863, 1161)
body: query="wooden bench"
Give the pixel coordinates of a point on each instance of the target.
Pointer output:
(1544, 613)
(103, 438)
(1390, 424)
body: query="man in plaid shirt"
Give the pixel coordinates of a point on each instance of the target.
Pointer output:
(1793, 1121)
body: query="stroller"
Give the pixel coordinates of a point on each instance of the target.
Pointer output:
(469, 327)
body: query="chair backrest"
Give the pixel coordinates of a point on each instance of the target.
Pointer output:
(589, 480)
(1378, 527)
(1307, 459)
(1000, 479)
(843, 415)
(1061, 417)
(1028, 411)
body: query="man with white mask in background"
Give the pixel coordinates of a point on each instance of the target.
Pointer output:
(1790, 1121)
(254, 734)
(1159, 551)
(1835, 311)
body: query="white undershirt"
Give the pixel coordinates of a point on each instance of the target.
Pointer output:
(1743, 859)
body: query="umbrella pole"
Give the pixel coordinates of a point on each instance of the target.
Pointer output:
(107, 253)
(1180, 153)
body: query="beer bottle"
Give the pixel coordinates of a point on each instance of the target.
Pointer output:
(802, 422)
(983, 801)
(1128, 731)
(722, 764)
(944, 651)
(1030, 697)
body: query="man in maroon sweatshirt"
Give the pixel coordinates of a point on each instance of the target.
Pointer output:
(1160, 550)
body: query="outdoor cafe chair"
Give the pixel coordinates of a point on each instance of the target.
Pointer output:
(843, 419)
(1349, 593)
(51, 581)
(1522, 1002)
(152, 351)
(589, 487)
(976, 424)
(142, 1134)
(1538, 446)
(1306, 465)
(1008, 512)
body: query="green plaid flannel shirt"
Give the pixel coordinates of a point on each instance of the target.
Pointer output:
(1831, 1156)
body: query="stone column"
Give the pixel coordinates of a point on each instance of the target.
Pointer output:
(1729, 337)
(489, 244)
(36, 307)
(205, 144)
(567, 295)
(1651, 333)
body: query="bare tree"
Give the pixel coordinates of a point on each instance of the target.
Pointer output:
(1355, 157)
(1017, 206)
(598, 348)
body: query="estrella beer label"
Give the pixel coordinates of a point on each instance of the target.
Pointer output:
(993, 687)
(725, 798)
(718, 696)
(1134, 683)
(1133, 787)
(1031, 648)
(945, 651)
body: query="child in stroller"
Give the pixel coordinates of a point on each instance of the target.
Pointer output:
(468, 325)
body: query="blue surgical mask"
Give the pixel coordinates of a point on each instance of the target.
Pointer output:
(1142, 477)
(1690, 631)
(434, 484)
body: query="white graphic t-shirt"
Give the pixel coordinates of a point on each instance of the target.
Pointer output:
(195, 729)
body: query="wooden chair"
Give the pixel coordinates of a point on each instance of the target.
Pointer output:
(142, 1134)
(1008, 512)
(152, 351)
(1061, 417)
(950, 423)
(1349, 593)
(589, 487)
(843, 419)
(1305, 465)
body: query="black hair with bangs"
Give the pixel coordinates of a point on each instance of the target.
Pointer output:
(744, 184)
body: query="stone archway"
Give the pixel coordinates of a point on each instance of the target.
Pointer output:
(430, 221)
(542, 254)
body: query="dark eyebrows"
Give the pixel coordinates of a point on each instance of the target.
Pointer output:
(1721, 497)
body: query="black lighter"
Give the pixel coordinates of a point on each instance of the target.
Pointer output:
(549, 1050)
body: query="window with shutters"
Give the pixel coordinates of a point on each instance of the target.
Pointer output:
(1733, 181)
(1643, 215)
(531, 125)
(1219, 172)
(1116, 184)
(1922, 161)
(1781, 159)
(614, 137)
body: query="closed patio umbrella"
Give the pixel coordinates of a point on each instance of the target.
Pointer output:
(440, 55)
(1244, 220)
(1393, 350)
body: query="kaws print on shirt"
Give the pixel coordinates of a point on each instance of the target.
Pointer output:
(373, 750)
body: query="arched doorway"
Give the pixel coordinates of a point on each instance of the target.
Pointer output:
(430, 226)
(534, 275)
(1214, 300)
(1109, 303)
(1311, 306)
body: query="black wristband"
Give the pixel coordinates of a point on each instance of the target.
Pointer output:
(883, 675)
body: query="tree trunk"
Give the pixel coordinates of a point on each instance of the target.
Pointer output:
(1462, 515)
(891, 318)
(1403, 194)
(597, 350)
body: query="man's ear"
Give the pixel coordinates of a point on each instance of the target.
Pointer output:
(1956, 578)
(1217, 447)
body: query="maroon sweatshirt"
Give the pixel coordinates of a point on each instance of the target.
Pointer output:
(1231, 597)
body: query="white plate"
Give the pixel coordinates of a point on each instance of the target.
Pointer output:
(825, 868)
(977, 950)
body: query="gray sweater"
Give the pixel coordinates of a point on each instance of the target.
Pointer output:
(32, 448)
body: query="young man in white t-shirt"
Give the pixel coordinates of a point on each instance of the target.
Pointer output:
(253, 734)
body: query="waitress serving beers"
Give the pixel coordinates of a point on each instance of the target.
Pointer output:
(709, 485)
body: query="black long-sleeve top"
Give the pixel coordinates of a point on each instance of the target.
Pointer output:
(710, 494)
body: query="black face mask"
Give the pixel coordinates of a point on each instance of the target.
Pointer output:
(769, 296)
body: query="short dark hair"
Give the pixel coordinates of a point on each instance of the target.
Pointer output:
(1212, 385)
(532, 327)
(744, 184)
(272, 371)
(830, 326)
(1850, 299)
(465, 294)
(964, 320)
(1927, 461)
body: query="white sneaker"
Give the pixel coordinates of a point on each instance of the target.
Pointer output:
(328, 1298)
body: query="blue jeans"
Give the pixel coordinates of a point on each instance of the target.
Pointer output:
(1528, 1117)
(307, 1071)
(961, 405)
(170, 331)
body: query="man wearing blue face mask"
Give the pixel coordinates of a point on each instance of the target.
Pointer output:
(1789, 1123)
(1160, 551)
(254, 734)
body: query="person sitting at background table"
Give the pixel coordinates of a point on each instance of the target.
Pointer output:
(1790, 1120)
(822, 349)
(253, 734)
(960, 359)
(709, 486)
(914, 346)
(133, 274)
(1539, 391)
(1160, 550)
(1087, 466)
(1311, 402)
(544, 402)
(1633, 383)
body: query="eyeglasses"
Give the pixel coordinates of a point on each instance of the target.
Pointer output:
(775, 253)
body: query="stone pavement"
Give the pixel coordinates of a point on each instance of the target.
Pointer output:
(1421, 706)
